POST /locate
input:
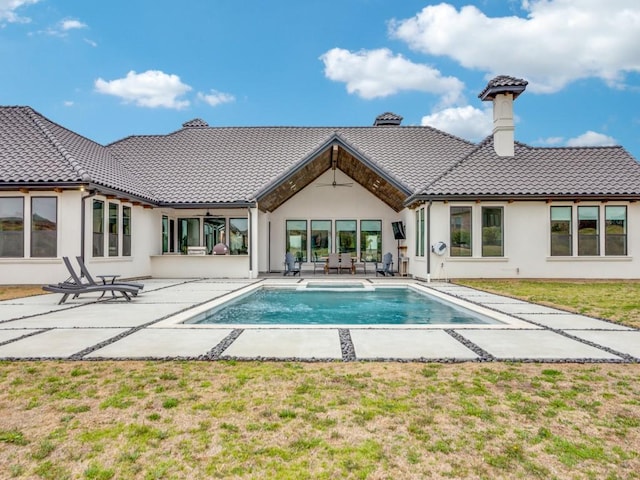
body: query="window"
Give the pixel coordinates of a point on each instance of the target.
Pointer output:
(214, 233)
(461, 232)
(420, 233)
(371, 240)
(165, 234)
(297, 239)
(98, 228)
(113, 229)
(492, 233)
(615, 235)
(346, 237)
(126, 231)
(44, 226)
(320, 238)
(11, 227)
(188, 233)
(239, 236)
(561, 243)
(588, 235)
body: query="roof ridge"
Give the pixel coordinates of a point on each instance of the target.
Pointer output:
(73, 163)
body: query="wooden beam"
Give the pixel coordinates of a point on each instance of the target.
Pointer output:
(57, 190)
(24, 190)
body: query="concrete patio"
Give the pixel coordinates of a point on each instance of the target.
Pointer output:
(149, 327)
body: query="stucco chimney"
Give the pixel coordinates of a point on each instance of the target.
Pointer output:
(502, 91)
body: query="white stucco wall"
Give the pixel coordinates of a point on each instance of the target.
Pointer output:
(527, 246)
(324, 203)
(28, 270)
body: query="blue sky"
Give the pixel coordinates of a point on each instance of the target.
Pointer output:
(109, 69)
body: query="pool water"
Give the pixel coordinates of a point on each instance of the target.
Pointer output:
(393, 306)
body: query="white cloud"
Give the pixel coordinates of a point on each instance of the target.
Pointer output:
(215, 98)
(550, 141)
(467, 122)
(378, 73)
(90, 42)
(68, 103)
(63, 27)
(8, 11)
(152, 88)
(71, 24)
(592, 139)
(558, 42)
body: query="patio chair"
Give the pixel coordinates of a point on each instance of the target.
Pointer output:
(74, 286)
(290, 265)
(333, 262)
(318, 263)
(91, 281)
(386, 267)
(346, 262)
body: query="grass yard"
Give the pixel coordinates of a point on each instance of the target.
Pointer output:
(360, 420)
(614, 300)
(7, 292)
(249, 420)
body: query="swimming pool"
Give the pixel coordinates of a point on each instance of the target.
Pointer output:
(339, 305)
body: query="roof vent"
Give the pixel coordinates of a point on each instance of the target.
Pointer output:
(196, 122)
(387, 119)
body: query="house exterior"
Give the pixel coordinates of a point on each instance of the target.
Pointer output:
(164, 205)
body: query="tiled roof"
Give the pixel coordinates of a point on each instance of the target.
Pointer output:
(539, 172)
(201, 164)
(34, 149)
(231, 164)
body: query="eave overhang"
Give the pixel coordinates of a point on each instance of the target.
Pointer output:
(80, 186)
(414, 200)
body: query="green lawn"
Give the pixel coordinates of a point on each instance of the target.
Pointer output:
(251, 420)
(614, 300)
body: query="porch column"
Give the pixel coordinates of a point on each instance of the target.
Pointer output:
(253, 245)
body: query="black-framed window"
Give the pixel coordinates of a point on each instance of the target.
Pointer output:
(460, 232)
(320, 238)
(165, 234)
(114, 214)
(296, 238)
(44, 226)
(420, 238)
(214, 232)
(347, 237)
(11, 227)
(371, 240)
(98, 228)
(561, 237)
(188, 233)
(492, 232)
(239, 236)
(615, 230)
(588, 230)
(126, 231)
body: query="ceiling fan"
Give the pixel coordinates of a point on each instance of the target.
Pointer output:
(334, 163)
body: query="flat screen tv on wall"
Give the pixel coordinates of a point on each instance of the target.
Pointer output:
(398, 230)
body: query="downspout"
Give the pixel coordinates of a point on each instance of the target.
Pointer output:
(429, 241)
(82, 222)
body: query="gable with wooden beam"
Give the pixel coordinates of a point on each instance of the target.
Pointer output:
(334, 155)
